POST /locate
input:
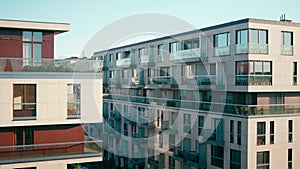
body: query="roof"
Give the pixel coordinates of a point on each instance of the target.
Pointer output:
(35, 25)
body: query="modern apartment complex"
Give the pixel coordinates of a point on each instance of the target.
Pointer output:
(44, 102)
(225, 96)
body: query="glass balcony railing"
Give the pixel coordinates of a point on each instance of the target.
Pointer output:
(253, 80)
(222, 51)
(287, 50)
(255, 48)
(160, 80)
(51, 151)
(226, 108)
(50, 65)
(189, 54)
(146, 59)
(124, 62)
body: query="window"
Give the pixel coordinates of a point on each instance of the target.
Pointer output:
(126, 54)
(252, 41)
(125, 129)
(242, 37)
(186, 123)
(118, 56)
(160, 53)
(239, 132)
(173, 47)
(161, 140)
(186, 144)
(221, 44)
(171, 142)
(171, 163)
(111, 74)
(263, 160)
(261, 133)
(142, 52)
(32, 47)
(133, 130)
(231, 131)
(253, 73)
(295, 69)
(287, 43)
(272, 135)
(24, 101)
(290, 158)
(290, 131)
(24, 136)
(191, 44)
(164, 71)
(111, 57)
(73, 100)
(235, 159)
(212, 69)
(217, 156)
(200, 124)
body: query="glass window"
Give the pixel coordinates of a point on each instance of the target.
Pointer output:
(74, 100)
(272, 135)
(287, 38)
(173, 47)
(217, 156)
(142, 52)
(267, 68)
(290, 158)
(24, 136)
(258, 68)
(212, 69)
(242, 68)
(222, 40)
(186, 123)
(263, 160)
(24, 101)
(239, 132)
(258, 36)
(37, 36)
(263, 36)
(235, 159)
(37, 50)
(27, 36)
(231, 131)
(290, 131)
(27, 53)
(253, 36)
(200, 124)
(242, 37)
(261, 133)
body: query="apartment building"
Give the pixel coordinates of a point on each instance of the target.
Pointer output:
(225, 96)
(45, 102)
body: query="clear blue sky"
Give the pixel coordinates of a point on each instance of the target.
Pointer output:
(87, 17)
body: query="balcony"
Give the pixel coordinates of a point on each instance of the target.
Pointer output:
(49, 65)
(226, 108)
(147, 60)
(255, 48)
(125, 62)
(190, 55)
(222, 51)
(51, 151)
(253, 80)
(287, 50)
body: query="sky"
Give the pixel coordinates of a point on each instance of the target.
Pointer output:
(90, 16)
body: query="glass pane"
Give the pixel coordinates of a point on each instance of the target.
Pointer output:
(27, 36)
(253, 36)
(28, 136)
(263, 37)
(37, 51)
(261, 128)
(213, 69)
(267, 68)
(244, 37)
(27, 51)
(251, 68)
(258, 68)
(37, 36)
(30, 94)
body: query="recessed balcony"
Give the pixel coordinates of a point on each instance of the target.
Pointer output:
(125, 62)
(189, 55)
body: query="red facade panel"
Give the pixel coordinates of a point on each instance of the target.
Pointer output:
(48, 45)
(11, 44)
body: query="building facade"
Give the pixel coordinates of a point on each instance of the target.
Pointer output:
(45, 102)
(225, 96)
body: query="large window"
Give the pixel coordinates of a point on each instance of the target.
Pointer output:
(252, 41)
(24, 101)
(186, 123)
(239, 132)
(263, 160)
(231, 139)
(290, 158)
(32, 47)
(287, 43)
(73, 100)
(235, 159)
(173, 47)
(160, 53)
(261, 133)
(222, 44)
(217, 156)
(253, 73)
(272, 135)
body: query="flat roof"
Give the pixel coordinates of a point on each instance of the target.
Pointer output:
(231, 23)
(35, 25)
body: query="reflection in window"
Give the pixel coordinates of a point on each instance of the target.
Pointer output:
(252, 41)
(24, 102)
(73, 100)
